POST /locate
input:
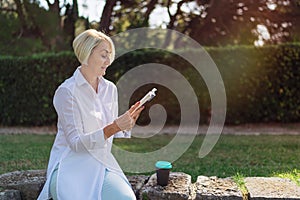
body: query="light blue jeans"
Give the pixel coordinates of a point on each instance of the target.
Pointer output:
(53, 181)
(114, 187)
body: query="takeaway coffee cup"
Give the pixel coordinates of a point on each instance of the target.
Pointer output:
(163, 172)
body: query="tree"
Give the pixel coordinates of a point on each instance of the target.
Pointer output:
(105, 20)
(121, 15)
(53, 27)
(221, 22)
(212, 22)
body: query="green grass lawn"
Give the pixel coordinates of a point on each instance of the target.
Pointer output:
(233, 156)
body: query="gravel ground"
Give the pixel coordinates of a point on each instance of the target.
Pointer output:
(245, 129)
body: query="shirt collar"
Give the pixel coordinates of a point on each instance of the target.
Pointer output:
(80, 80)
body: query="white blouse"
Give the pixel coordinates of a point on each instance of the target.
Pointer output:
(80, 149)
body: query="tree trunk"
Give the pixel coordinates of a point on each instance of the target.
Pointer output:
(171, 24)
(70, 19)
(21, 16)
(105, 20)
(150, 8)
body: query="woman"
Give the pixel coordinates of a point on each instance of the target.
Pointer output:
(81, 165)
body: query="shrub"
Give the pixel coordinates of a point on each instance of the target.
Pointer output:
(261, 84)
(27, 85)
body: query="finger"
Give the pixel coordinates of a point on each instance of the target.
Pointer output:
(136, 113)
(134, 107)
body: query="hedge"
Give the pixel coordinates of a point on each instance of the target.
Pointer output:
(27, 85)
(261, 84)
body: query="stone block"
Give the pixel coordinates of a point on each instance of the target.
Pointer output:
(10, 195)
(29, 183)
(266, 188)
(137, 182)
(178, 188)
(214, 188)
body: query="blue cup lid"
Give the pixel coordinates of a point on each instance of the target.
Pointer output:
(163, 165)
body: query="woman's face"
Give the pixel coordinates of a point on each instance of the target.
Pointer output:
(99, 59)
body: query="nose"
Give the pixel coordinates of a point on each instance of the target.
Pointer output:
(107, 61)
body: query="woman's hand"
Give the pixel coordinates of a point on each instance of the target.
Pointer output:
(128, 119)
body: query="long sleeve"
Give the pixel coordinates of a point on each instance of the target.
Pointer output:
(70, 120)
(120, 134)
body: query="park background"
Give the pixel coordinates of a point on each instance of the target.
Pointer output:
(255, 45)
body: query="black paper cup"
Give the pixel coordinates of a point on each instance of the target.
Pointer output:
(163, 172)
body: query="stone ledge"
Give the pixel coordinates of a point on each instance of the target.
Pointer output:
(215, 188)
(138, 182)
(272, 188)
(10, 195)
(29, 183)
(178, 188)
(26, 185)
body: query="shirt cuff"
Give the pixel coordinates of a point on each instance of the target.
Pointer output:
(123, 134)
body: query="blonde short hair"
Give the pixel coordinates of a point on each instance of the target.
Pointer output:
(86, 41)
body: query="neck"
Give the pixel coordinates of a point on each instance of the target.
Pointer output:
(91, 79)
